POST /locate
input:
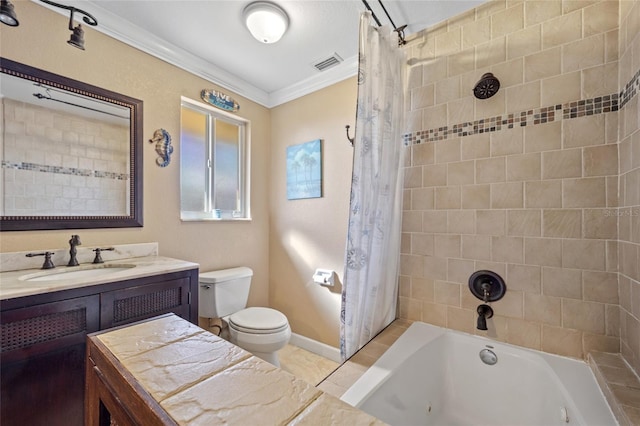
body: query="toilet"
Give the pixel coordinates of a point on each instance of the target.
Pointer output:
(261, 331)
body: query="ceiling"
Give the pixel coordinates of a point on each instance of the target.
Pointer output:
(209, 39)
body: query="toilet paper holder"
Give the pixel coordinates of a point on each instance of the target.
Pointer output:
(324, 277)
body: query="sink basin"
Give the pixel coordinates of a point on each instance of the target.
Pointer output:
(74, 273)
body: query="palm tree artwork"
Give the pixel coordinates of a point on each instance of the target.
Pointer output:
(304, 170)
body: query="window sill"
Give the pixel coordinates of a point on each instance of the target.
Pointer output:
(194, 218)
(234, 219)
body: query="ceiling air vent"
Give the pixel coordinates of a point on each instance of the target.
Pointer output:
(326, 63)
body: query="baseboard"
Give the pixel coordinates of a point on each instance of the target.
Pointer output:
(316, 347)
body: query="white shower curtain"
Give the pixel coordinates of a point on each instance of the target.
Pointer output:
(369, 292)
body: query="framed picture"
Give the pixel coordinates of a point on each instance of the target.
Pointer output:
(304, 170)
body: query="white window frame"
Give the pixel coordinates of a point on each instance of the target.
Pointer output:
(244, 166)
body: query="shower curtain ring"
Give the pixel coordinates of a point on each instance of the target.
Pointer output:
(351, 140)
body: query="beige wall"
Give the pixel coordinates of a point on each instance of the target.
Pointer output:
(629, 187)
(535, 198)
(311, 233)
(40, 41)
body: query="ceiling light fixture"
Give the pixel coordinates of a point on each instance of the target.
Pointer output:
(7, 14)
(266, 21)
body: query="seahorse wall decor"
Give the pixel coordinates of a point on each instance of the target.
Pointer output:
(162, 138)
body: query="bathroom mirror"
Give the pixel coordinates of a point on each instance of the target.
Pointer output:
(71, 153)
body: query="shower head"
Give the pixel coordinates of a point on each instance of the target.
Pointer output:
(486, 87)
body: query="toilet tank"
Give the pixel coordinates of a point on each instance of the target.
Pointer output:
(223, 292)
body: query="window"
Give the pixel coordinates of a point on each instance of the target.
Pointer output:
(214, 158)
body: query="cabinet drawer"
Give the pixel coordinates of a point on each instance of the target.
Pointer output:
(47, 327)
(131, 304)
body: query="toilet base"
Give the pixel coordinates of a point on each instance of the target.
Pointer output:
(271, 357)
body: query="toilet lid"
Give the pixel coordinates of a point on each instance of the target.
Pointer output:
(259, 320)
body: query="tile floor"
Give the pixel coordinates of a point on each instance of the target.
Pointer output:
(341, 379)
(334, 378)
(306, 365)
(301, 363)
(330, 376)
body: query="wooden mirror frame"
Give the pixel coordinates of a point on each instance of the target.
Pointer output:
(134, 218)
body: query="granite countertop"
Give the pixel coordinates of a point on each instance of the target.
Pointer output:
(14, 283)
(200, 379)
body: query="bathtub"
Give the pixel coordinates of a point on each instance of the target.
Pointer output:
(435, 376)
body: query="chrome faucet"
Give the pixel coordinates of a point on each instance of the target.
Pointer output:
(73, 242)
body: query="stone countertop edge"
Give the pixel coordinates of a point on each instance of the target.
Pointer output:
(219, 381)
(11, 286)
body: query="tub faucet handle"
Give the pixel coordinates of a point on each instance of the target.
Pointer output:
(486, 291)
(487, 286)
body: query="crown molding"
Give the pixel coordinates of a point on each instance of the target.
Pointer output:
(130, 34)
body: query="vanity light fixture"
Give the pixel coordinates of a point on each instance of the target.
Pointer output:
(77, 36)
(8, 14)
(267, 22)
(8, 17)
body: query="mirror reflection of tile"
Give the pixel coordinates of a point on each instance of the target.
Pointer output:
(87, 173)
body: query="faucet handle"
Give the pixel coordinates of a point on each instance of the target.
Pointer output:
(98, 258)
(486, 291)
(48, 264)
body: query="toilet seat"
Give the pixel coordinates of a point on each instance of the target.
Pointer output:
(258, 320)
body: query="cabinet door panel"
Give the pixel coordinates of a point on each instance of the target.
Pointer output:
(44, 390)
(131, 304)
(46, 327)
(42, 376)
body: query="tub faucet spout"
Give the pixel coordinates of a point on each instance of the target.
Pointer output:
(484, 312)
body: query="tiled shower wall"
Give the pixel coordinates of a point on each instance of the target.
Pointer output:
(59, 164)
(525, 183)
(629, 189)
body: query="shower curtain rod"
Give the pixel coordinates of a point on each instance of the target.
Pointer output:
(401, 42)
(49, 97)
(399, 30)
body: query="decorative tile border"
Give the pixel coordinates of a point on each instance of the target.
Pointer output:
(532, 117)
(64, 170)
(630, 90)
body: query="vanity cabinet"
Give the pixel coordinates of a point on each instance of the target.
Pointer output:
(42, 351)
(129, 304)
